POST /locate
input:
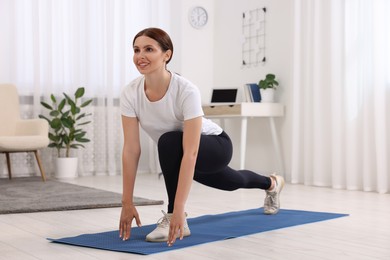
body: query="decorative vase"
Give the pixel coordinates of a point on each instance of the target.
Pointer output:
(267, 95)
(66, 168)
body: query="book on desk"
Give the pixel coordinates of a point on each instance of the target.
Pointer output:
(251, 93)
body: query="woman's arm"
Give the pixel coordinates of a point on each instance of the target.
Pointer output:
(191, 138)
(130, 158)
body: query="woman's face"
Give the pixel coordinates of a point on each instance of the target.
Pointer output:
(148, 55)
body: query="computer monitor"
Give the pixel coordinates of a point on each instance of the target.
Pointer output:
(224, 96)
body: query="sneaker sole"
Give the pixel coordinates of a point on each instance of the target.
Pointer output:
(186, 234)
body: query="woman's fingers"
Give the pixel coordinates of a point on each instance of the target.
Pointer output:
(137, 220)
(125, 222)
(181, 233)
(176, 227)
(172, 235)
(125, 230)
(174, 232)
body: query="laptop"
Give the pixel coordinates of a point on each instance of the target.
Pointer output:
(224, 96)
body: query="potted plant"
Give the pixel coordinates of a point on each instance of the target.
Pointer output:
(66, 119)
(267, 88)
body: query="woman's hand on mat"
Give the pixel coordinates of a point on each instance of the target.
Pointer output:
(176, 227)
(129, 212)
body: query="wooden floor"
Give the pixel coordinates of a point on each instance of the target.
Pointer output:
(365, 234)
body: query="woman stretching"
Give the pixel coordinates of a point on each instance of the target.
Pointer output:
(190, 147)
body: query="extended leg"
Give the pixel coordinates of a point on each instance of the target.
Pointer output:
(212, 169)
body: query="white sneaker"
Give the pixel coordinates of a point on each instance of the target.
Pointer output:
(272, 202)
(161, 232)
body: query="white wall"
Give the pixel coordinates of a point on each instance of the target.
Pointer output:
(211, 57)
(228, 70)
(194, 53)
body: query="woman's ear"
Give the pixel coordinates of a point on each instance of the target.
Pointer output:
(168, 55)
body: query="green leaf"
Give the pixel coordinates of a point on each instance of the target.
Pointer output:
(61, 105)
(78, 131)
(86, 103)
(83, 115)
(67, 122)
(53, 98)
(66, 114)
(66, 139)
(54, 113)
(43, 117)
(56, 123)
(66, 96)
(83, 140)
(54, 138)
(85, 123)
(46, 105)
(78, 136)
(73, 109)
(70, 101)
(80, 116)
(76, 146)
(55, 145)
(79, 92)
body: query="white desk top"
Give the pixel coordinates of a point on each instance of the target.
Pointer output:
(246, 109)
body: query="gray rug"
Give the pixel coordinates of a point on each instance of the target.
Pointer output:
(24, 195)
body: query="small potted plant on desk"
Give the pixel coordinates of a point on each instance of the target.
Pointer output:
(66, 133)
(267, 88)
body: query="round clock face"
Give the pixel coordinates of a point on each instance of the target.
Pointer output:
(198, 17)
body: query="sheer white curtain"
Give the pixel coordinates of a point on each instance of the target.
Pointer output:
(341, 93)
(57, 46)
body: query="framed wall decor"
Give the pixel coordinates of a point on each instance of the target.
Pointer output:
(253, 37)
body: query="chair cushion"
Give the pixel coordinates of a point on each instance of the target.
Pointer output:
(22, 143)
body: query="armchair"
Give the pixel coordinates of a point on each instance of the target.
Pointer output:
(18, 135)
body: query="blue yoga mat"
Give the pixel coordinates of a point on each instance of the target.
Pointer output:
(204, 229)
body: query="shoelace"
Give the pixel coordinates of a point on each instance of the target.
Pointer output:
(270, 199)
(163, 221)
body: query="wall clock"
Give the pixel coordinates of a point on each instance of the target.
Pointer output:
(198, 17)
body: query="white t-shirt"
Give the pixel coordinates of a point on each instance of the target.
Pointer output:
(181, 102)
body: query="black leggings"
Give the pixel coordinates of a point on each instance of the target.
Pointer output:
(211, 169)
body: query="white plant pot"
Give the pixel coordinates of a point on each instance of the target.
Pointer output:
(66, 168)
(267, 95)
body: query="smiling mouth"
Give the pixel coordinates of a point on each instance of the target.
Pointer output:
(142, 65)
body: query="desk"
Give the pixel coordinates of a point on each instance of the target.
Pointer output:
(245, 111)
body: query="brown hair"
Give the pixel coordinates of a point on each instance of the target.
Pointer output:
(160, 36)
